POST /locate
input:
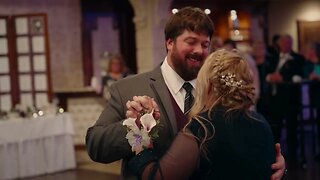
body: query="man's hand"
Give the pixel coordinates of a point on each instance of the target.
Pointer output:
(140, 105)
(275, 77)
(279, 166)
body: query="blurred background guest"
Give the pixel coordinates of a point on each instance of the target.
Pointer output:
(115, 70)
(274, 48)
(260, 56)
(216, 43)
(312, 72)
(286, 69)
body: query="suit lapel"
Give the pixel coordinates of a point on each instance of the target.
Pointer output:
(161, 91)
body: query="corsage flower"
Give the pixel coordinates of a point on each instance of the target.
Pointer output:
(141, 131)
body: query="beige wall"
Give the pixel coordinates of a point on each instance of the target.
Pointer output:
(64, 21)
(283, 16)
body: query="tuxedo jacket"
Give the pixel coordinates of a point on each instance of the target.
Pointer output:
(106, 139)
(293, 66)
(287, 92)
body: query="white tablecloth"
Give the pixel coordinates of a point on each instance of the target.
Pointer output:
(36, 146)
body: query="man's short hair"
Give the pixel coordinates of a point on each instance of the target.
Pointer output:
(188, 18)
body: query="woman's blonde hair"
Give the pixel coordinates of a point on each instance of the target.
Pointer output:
(225, 81)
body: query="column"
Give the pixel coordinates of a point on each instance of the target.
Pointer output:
(150, 18)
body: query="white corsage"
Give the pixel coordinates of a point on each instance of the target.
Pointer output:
(141, 131)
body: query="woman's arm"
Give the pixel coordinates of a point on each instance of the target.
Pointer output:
(178, 163)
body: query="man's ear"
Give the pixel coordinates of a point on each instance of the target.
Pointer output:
(169, 44)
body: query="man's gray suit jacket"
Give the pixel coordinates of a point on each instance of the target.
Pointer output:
(106, 142)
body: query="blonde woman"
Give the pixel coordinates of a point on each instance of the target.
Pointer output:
(223, 139)
(115, 71)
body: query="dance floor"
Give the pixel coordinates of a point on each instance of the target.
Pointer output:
(86, 169)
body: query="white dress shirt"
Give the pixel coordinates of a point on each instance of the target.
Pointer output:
(174, 83)
(284, 57)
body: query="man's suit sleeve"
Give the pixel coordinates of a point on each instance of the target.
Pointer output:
(105, 140)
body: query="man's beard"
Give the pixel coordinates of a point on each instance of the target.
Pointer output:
(181, 66)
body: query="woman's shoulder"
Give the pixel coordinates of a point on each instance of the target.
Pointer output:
(260, 127)
(245, 119)
(222, 119)
(206, 119)
(258, 118)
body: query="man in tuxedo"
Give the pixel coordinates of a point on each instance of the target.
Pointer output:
(285, 73)
(187, 35)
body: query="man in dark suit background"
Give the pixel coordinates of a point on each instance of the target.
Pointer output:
(285, 73)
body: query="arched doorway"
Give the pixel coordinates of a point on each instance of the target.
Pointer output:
(107, 26)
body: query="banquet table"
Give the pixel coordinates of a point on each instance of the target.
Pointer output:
(35, 146)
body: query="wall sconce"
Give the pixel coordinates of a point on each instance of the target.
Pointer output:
(236, 32)
(206, 11)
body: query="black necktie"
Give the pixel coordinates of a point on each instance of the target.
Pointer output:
(188, 99)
